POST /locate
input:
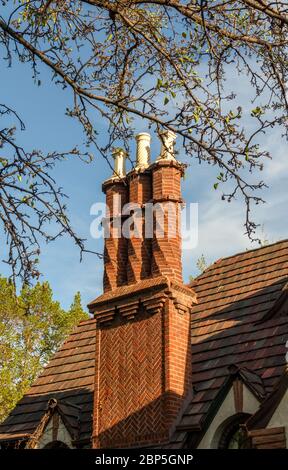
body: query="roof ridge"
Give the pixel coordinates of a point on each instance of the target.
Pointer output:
(250, 250)
(219, 260)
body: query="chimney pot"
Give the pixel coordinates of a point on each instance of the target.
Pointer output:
(119, 156)
(143, 150)
(167, 147)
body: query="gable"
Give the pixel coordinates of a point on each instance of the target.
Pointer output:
(279, 417)
(55, 431)
(228, 410)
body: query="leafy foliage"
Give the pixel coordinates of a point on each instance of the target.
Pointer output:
(201, 264)
(32, 327)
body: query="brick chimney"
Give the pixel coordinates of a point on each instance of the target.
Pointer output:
(143, 379)
(115, 248)
(166, 183)
(140, 190)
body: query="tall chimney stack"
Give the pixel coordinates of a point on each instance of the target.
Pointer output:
(140, 192)
(143, 378)
(166, 183)
(115, 249)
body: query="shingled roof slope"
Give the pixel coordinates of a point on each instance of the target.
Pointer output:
(69, 377)
(262, 417)
(231, 324)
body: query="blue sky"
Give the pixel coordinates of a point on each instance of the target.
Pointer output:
(221, 231)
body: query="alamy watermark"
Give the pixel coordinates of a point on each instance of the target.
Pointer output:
(160, 220)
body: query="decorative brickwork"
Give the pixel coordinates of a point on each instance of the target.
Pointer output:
(143, 344)
(115, 250)
(166, 250)
(139, 248)
(144, 364)
(130, 381)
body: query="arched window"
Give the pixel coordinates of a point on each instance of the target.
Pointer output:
(56, 445)
(232, 435)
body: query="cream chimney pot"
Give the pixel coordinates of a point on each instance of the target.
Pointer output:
(119, 156)
(143, 150)
(167, 147)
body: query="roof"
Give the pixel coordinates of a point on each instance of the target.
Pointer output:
(253, 381)
(234, 323)
(231, 324)
(262, 417)
(69, 413)
(68, 378)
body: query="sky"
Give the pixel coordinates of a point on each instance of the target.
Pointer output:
(221, 231)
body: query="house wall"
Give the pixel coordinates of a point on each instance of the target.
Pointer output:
(62, 435)
(280, 416)
(227, 410)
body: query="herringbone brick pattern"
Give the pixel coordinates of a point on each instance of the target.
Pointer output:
(131, 380)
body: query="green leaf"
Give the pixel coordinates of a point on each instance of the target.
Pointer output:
(215, 185)
(166, 100)
(257, 111)
(159, 83)
(220, 177)
(3, 161)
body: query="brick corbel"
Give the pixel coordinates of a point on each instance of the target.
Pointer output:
(169, 163)
(151, 297)
(152, 304)
(106, 315)
(183, 298)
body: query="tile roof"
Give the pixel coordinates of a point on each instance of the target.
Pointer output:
(231, 324)
(69, 377)
(252, 380)
(266, 410)
(234, 322)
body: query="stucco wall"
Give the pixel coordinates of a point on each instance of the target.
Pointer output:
(280, 416)
(63, 435)
(227, 410)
